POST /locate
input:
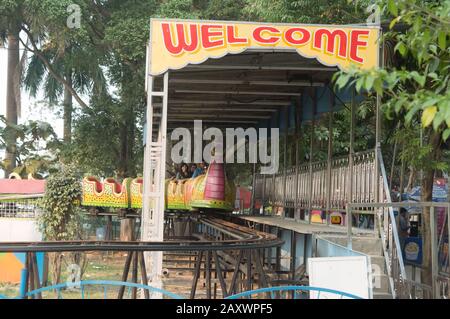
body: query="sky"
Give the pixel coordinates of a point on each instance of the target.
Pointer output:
(30, 110)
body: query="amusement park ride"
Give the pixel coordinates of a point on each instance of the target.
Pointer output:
(209, 191)
(249, 75)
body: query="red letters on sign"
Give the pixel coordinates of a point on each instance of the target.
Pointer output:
(355, 43)
(330, 41)
(211, 31)
(289, 36)
(189, 37)
(232, 38)
(257, 35)
(180, 38)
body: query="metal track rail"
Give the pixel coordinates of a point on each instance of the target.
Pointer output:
(245, 238)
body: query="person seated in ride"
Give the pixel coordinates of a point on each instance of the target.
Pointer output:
(192, 169)
(184, 172)
(200, 170)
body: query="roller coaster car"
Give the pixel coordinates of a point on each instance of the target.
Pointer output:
(136, 190)
(110, 193)
(209, 191)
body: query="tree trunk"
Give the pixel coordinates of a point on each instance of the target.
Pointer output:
(68, 109)
(12, 94)
(127, 140)
(123, 156)
(411, 179)
(427, 196)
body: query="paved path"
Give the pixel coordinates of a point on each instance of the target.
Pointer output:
(302, 227)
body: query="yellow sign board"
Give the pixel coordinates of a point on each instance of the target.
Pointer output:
(177, 43)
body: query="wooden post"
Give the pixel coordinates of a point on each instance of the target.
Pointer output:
(127, 229)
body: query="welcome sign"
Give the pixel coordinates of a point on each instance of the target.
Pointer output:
(177, 43)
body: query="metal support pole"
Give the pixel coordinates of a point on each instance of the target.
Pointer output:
(278, 252)
(143, 274)
(348, 217)
(223, 286)
(329, 158)
(293, 253)
(208, 274)
(285, 164)
(448, 234)
(249, 270)
(260, 269)
(378, 129)
(311, 155)
(198, 264)
(235, 273)
(252, 207)
(352, 148)
(30, 274)
(434, 251)
(126, 270)
(134, 275)
(37, 284)
(263, 200)
(298, 123)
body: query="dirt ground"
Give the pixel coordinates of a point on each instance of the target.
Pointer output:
(109, 266)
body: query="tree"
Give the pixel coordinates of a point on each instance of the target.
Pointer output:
(61, 219)
(417, 89)
(36, 146)
(66, 61)
(304, 11)
(9, 30)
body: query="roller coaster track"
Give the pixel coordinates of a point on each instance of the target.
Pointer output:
(243, 238)
(220, 246)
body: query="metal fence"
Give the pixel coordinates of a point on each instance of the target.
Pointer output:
(404, 285)
(320, 185)
(19, 207)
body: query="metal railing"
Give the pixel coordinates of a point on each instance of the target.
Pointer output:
(320, 185)
(295, 292)
(403, 286)
(78, 290)
(101, 289)
(19, 207)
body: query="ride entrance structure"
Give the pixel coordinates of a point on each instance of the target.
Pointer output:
(254, 75)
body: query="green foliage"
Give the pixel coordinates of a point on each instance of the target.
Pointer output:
(61, 219)
(305, 11)
(36, 148)
(420, 86)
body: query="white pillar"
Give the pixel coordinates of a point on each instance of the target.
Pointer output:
(152, 227)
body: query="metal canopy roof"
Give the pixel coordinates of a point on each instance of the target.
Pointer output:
(240, 89)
